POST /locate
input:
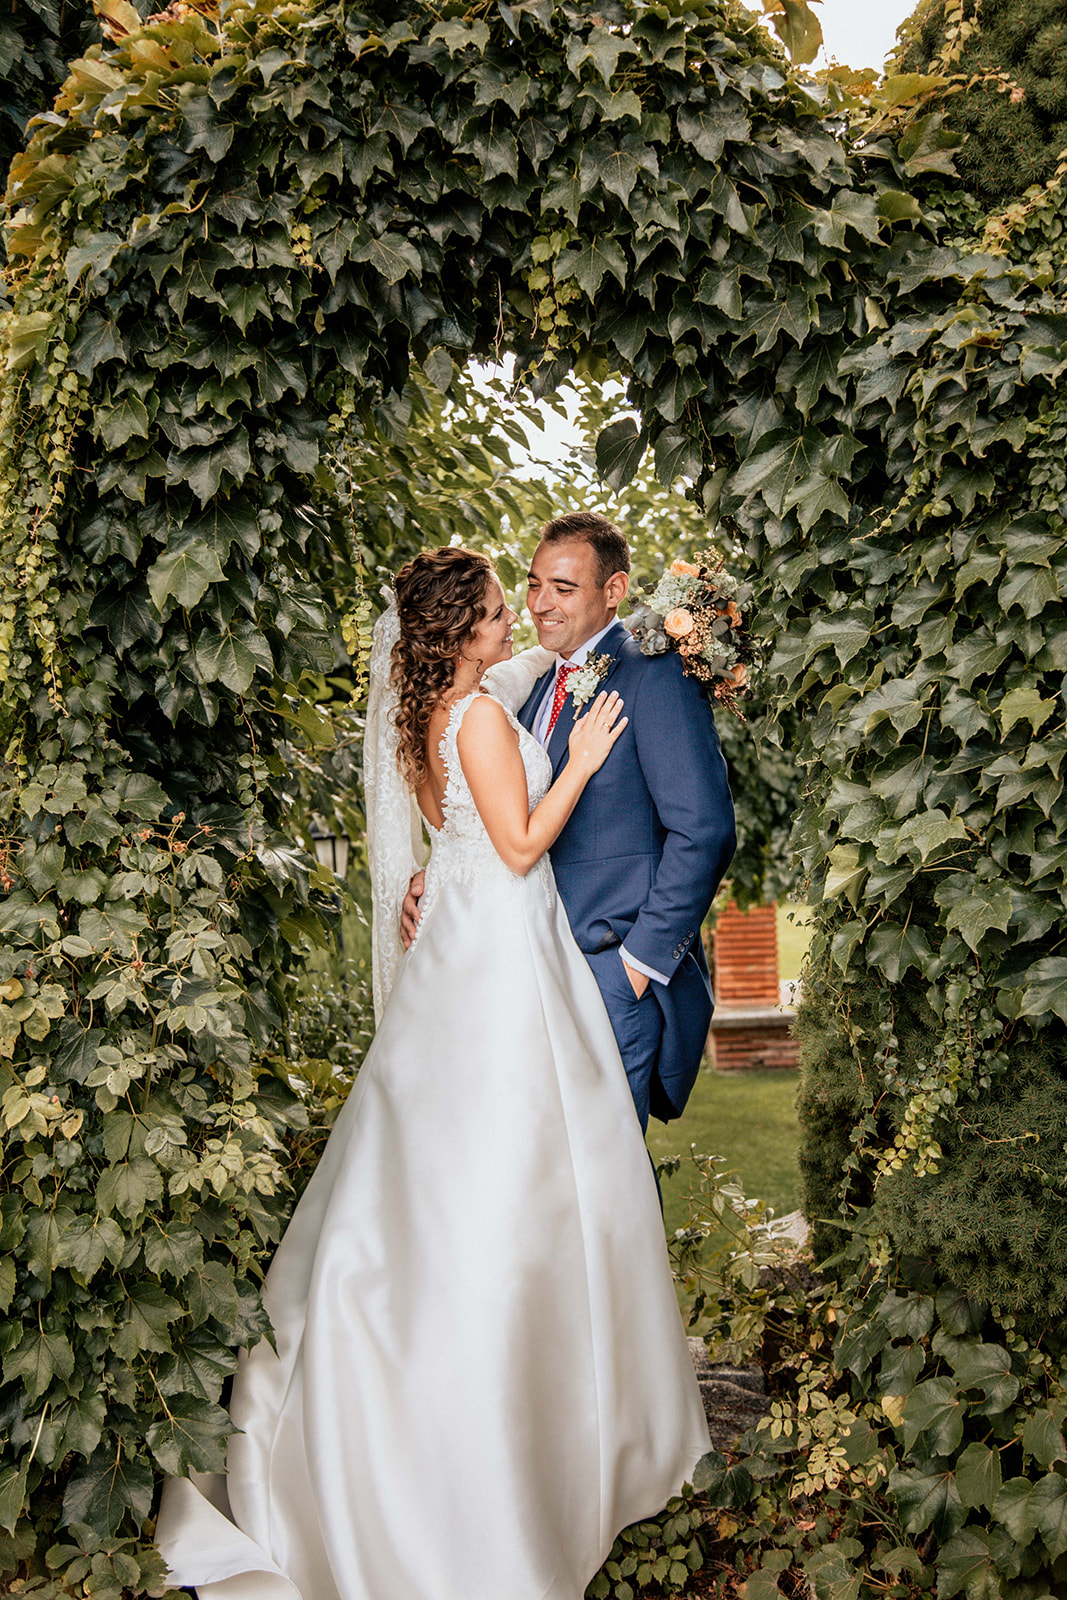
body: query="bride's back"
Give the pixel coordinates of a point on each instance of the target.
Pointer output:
(431, 791)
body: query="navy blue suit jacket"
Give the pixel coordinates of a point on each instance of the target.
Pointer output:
(645, 849)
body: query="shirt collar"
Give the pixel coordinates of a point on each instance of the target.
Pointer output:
(580, 656)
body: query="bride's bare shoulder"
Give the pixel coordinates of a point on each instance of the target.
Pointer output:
(485, 720)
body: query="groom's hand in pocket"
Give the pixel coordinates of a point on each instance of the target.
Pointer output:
(638, 980)
(409, 911)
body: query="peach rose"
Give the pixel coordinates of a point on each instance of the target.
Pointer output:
(685, 569)
(738, 675)
(733, 613)
(678, 623)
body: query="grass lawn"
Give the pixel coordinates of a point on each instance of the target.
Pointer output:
(749, 1118)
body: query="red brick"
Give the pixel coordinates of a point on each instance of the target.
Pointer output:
(746, 956)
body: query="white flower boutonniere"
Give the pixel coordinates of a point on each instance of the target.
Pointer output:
(583, 684)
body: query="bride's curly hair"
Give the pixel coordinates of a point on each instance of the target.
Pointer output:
(440, 599)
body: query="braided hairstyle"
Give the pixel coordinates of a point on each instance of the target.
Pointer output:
(440, 599)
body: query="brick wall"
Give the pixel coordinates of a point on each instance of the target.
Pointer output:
(749, 1029)
(746, 957)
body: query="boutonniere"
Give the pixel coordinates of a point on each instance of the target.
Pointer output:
(586, 680)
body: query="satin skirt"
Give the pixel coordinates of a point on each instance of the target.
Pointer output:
(481, 1373)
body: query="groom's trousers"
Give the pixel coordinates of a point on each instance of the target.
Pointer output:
(637, 1024)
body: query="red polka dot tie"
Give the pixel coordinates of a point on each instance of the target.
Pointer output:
(559, 697)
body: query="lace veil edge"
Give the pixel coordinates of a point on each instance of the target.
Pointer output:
(395, 844)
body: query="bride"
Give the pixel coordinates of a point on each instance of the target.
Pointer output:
(480, 1373)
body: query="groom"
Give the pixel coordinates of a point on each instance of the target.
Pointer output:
(639, 861)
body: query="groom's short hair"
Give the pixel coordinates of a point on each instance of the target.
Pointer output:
(609, 544)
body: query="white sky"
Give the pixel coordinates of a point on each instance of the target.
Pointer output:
(860, 33)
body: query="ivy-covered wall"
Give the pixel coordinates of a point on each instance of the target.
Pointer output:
(936, 836)
(230, 242)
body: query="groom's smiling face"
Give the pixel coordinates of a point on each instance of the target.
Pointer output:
(567, 603)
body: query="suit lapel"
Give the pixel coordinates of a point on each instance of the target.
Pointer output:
(557, 744)
(528, 714)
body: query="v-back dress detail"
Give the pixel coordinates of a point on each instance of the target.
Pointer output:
(481, 1374)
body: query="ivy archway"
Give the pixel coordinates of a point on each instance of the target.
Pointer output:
(233, 236)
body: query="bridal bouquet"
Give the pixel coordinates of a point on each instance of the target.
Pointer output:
(695, 609)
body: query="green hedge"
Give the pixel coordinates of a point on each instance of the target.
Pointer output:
(231, 243)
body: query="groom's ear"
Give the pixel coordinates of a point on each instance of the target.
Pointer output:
(616, 587)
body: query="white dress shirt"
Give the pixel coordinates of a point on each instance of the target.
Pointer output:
(578, 658)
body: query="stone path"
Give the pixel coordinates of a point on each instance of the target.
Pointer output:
(734, 1397)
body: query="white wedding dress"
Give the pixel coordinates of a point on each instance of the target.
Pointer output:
(481, 1373)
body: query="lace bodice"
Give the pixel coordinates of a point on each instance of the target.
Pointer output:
(461, 848)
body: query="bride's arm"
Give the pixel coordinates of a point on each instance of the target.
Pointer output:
(489, 755)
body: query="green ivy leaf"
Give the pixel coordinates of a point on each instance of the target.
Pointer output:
(1046, 988)
(896, 206)
(708, 128)
(285, 866)
(36, 1359)
(590, 262)
(126, 418)
(1012, 1507)
(203, 470)
(1043, 1436)
(926, 1497)
(184, 574)
(88, 1241)
(460, 35)
(205, 127)
(928, 832)
(12, 1495)
(844, 874)
(233, 656)
(978, 1476)
(112, 925)
(1029, 588)
(897, 947)
(107, 1488)
(80, 1422)
(192, 1437)
(987, 906)
(129, 1187)
(966, 1563)
(602, 48)
(148, 1313)
(978, 656)
(174, 1250)
(619, 449)
(676, 456)
(1048, 1504)
(393, 256)
(935, 1410)
(403, 121)
(799, 30)
(126, 617)
(97, 253)
(278, 372)
(1024, 705)
(199, 1365)
(209, 1291)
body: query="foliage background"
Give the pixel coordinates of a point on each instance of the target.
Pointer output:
(1014, 118)
(231, 242)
